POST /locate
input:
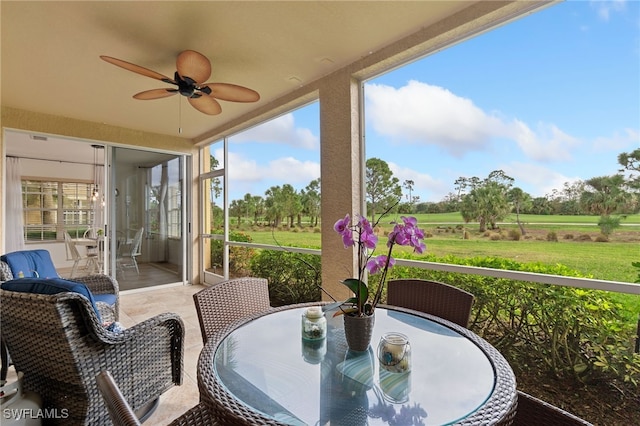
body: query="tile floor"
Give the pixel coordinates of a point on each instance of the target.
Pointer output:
(138, 305)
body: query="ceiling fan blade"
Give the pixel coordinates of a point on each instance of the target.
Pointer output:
(193, 65)
(137, 69)
(232, 92)
(155, 94)
(206, 104)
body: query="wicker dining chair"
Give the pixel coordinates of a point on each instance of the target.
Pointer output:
(431, 297)
(535, 412)
(58, 342)
(122, 415)
(223, 303)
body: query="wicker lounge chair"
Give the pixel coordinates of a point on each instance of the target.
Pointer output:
(225, 302)
(98, 284)
(431, 297)
(104, 288)
(58, 342)
(122, 414)
(534, 412)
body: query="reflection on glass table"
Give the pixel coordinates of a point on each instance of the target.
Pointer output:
(264, 368)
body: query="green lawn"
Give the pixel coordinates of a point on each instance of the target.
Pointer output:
(607, 261)
(601, 260)
(524, 218)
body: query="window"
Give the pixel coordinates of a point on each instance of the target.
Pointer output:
(164, 209)
(51, 208)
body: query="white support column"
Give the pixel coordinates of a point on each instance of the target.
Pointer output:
(342, 176)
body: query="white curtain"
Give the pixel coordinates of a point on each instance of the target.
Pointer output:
(98, 205)
(162, 206)
(14, 240)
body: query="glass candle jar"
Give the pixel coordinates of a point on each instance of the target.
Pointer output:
(394, 353)
(314, 324)
(313, 351)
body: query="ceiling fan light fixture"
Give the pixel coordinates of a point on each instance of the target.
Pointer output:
(193, 68)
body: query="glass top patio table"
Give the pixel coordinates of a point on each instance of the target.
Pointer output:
(262, 368)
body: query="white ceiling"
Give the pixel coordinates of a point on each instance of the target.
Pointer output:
(50, 52)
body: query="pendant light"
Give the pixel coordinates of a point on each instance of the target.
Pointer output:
(95, 194)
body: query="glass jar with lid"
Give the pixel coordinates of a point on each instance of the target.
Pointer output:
(394, 353)
(314, 324)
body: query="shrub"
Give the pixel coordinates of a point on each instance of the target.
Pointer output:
(514, 234)
(602, 239)
(239, 257)
(565, 331)
(583, 237)
(552, 236)
(608, 223)
(568, 236)
(495, 237)
(293, 277)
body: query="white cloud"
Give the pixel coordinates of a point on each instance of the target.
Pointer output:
(424, 114)
(549, 143)
(292, 170)
(246, 175)
(605, 8)
(281, 130)
(425, 186)
(619, 141)
(244, 170)
(537, 180)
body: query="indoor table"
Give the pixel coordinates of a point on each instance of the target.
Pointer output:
(260, 371)
(85, 241)
(94, 248)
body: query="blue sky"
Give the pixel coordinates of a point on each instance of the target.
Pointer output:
(550, 98)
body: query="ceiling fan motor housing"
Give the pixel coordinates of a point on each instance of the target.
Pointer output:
(186, 86)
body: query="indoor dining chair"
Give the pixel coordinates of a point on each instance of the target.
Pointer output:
(534, 412)
(129, 252)
(223, 303)
(431, 297)
(122, 415)
(90, 259)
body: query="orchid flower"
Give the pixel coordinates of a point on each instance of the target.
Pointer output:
(362, 234)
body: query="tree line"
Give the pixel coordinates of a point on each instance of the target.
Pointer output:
(485, 200)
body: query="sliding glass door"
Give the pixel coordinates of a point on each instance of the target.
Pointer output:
(147, 237)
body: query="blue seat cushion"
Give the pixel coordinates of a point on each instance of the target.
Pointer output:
(109, 299)
(50, 286)
(30, 263)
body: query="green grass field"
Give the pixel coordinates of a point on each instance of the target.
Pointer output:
(601, 260)
(526, 218)
(607, 261)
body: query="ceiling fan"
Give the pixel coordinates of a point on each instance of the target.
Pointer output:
(193, 69)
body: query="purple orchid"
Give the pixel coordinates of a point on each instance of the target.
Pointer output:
(362, 234)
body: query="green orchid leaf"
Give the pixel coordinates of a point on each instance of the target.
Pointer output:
(331, 306)
(346, 311)
(359, 289)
